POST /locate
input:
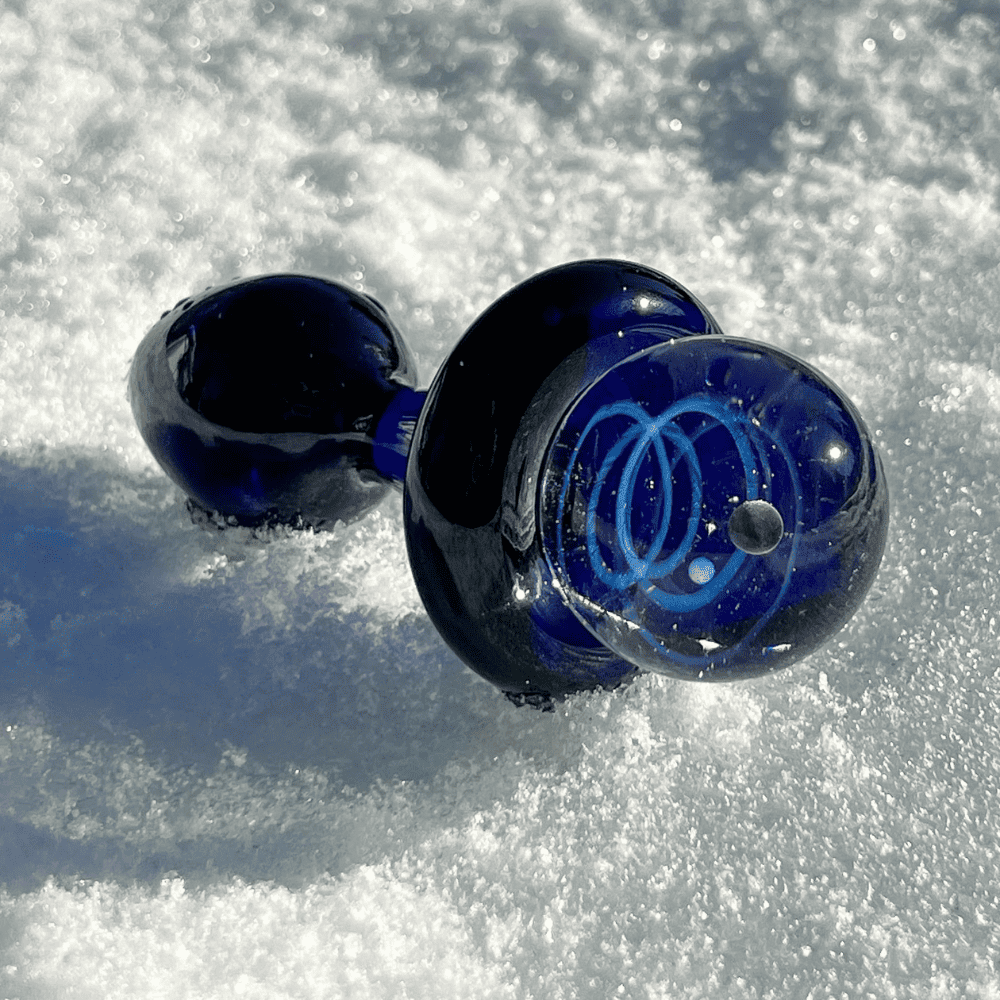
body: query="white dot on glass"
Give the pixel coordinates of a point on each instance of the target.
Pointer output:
(834, 451)
(701, 570)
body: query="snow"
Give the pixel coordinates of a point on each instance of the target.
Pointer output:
(234, 766)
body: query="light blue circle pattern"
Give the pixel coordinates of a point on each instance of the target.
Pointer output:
(642, 575)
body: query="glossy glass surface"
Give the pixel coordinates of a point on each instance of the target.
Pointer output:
(279, 399)
(712, 508)
(599, 481)
(471, 488)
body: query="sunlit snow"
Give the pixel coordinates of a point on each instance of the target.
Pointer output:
(238, 766)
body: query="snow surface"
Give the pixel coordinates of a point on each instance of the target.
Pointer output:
(234, 767)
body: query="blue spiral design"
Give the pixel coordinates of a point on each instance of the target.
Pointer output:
(646, 436)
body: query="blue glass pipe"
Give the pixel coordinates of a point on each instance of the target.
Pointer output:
(597, 482)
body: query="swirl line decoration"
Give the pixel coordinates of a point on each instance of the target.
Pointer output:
(708, 508)
(648, 433)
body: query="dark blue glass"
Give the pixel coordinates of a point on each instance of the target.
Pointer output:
(279, 399)
(599, 481)
(712, 508)
(471, 500)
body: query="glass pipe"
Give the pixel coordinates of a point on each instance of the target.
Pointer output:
(279, 399)
(597, 482)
